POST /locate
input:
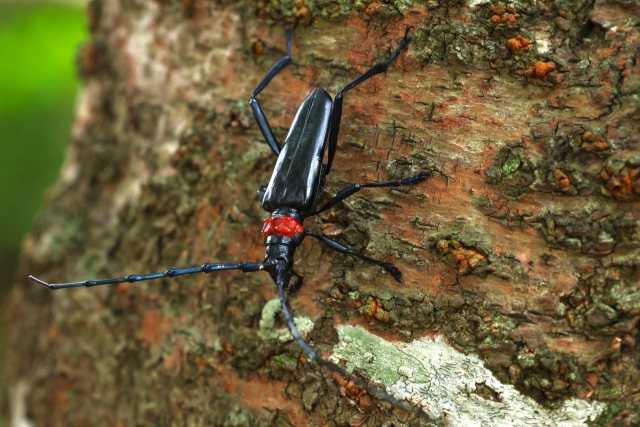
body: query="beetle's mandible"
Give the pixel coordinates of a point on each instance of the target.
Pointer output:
(296, 186)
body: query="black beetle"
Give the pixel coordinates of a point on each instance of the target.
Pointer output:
(296, 185)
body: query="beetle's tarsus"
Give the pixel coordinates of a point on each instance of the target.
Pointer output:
(406, 33)
(416, 179)
(393, 270)
(40, 282)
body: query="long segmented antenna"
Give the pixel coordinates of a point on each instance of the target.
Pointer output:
(371, 388)
(246, 267)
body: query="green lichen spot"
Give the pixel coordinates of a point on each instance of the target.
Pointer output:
(268, 331)
(403, 5)
(241, 105)
(503, 323)
(511, 165)
(601, 315)
(379, 358)
(278, 360)
(609, 412)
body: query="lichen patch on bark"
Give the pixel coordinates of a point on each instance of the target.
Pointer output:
(267, 323)
(447, 384)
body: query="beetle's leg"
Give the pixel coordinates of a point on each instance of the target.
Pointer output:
(354, 188)
(263, 124)
(261, 191)
(295, 286)
(336, 112)
(246, 267)
(390, 268)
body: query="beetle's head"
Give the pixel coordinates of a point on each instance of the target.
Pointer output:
(278, 261)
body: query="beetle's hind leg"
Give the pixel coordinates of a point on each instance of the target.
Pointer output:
(389, 268)
(261, 119)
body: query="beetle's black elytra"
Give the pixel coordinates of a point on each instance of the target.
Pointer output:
(296, 185)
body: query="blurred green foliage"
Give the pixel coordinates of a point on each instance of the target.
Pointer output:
(38, 43)
(38, 85)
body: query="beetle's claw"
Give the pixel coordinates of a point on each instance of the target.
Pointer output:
(406, 30)
(416, 179)
(393, 270)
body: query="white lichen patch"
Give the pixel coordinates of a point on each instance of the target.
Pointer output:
(474, 3)
(18, 401)
(444, 382)
(543, 45)
(268, 331)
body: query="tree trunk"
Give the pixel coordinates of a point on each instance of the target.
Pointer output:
(520, 257)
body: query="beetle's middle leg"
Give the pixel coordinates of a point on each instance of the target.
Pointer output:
(261, 119)
(354, 188)
(389, 268)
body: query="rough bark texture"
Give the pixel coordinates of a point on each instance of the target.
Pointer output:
(523, 250)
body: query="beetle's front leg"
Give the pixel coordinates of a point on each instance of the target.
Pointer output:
(261, 191)
(261, 119)
(295, 286)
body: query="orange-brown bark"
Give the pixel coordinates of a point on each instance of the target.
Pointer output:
(523, 247)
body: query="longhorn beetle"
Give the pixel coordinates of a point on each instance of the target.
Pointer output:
(296, 186)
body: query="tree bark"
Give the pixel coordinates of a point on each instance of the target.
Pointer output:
(520, 257)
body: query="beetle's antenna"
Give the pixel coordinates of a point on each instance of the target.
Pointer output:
(292, 326)
(246, 267)
(371, 388)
